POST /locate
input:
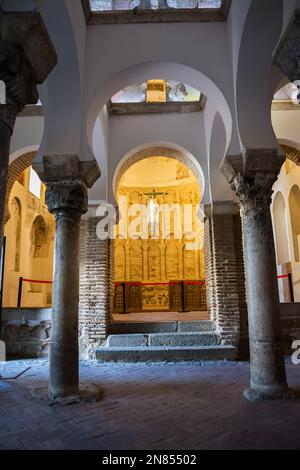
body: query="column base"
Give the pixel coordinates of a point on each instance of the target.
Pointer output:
(86, 394)
(256, 395)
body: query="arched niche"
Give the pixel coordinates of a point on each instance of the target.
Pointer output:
(294, 206)
(280, 229)
(40, 251)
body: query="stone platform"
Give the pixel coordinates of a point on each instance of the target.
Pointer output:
(167, 341)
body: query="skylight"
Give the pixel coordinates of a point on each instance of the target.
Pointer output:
(175, 92)
(127, 5)
(145, 11)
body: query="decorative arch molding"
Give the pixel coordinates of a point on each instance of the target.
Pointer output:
(16, 168)
(158, 151)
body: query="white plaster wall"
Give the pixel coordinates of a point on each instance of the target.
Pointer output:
(78, 21)
(257, 78)
(128, 132)
(286, 125)
(64, 90)
(114, 49)
(235, 27)
(219, 188)
(101, 147)
(28, 132)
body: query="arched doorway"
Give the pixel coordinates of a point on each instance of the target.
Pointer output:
(159, 245)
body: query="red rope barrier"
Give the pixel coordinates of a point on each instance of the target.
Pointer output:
(118, 284)
(283, 276)
(37, 282)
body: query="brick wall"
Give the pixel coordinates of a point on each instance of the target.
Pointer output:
(241, 286)
(95, 288)
(209, 268)
(224, 266)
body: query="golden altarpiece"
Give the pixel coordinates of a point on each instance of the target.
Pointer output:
(162, 272)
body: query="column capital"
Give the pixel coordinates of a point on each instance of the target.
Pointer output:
(67, 180)
(27, 56)
(20, 86)
(252, 175)
(63, 197)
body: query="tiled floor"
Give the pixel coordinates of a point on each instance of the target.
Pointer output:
(161, 406)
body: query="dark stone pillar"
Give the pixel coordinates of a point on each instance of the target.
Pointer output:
(67, 180)
(67, 202)
(252, 177)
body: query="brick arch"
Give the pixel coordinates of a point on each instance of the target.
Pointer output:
(16, 168)
(158, 151)
(291, 153)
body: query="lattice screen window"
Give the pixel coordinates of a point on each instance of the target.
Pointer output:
(125, 5)
(156, 91)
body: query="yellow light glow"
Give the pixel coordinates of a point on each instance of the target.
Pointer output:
(156, 91)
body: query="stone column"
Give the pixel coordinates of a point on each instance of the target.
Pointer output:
(67, 180)
(26, 58)
(252, 177)
(67, 201)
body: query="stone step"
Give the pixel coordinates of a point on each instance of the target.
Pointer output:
(161, 327)
(170, 354)
(163, 339)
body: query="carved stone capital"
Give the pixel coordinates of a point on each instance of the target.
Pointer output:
(67, 180)
(61, 168)
(21, 89)
(252, 175)
(27, 57)
(67, 197)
